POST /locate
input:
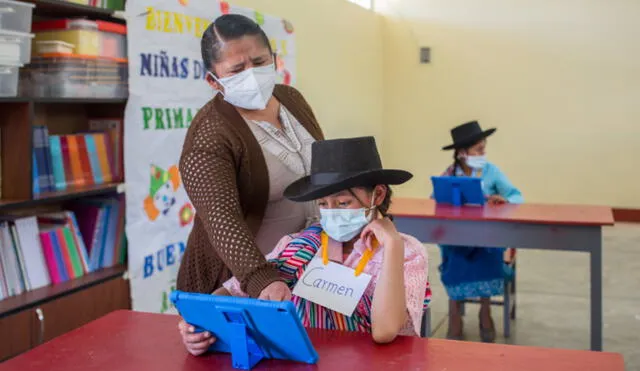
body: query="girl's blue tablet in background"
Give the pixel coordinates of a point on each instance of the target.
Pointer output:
(458, 190)
(249, 329)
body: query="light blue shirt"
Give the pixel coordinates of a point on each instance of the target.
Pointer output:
(494, 182)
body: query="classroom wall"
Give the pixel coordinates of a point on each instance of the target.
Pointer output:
(339, 61)
(559, 78)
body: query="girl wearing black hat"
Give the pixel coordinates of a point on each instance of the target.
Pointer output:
(351, 189)
(472, 272)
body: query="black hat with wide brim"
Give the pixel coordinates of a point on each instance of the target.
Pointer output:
(467, 134)
(341, 164)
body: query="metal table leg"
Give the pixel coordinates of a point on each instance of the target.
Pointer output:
(596, 297)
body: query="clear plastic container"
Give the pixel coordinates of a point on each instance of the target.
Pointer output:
(48, 47)
(74, 76)
(9, 80)
(16, 15)
(97, 38)
(10, 38)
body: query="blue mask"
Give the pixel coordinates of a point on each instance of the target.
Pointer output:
(343, 225)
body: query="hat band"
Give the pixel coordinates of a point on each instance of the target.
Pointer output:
(327, 178)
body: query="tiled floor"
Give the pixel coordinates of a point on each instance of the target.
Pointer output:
(553, 298)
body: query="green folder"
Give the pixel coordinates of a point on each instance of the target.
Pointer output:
(73, 252)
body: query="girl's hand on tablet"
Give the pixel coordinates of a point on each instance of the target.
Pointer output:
(196, 343)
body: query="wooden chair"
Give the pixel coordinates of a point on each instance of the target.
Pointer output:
(508, 301)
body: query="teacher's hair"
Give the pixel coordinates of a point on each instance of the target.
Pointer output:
(225, 28)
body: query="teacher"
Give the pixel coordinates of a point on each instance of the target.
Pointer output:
(241, 151)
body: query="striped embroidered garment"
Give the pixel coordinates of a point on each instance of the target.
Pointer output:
(294, 252)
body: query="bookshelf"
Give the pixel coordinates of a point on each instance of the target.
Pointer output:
(36, 316)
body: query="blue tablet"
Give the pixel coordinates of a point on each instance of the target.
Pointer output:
(249, 329)
(458, 191)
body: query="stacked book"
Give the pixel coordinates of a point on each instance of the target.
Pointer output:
(37, 251)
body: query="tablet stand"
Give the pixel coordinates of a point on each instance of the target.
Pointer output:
(245, 352)
(456, 195)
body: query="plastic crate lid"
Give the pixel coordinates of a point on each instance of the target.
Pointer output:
(112, 27)
(64, 24)
(8, 33)
(79, 24)
(16, 3)
(81, 56)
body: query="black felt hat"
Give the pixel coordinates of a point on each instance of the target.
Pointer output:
(466, 135)
(340, 164)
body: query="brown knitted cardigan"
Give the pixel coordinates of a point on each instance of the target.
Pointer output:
(225, 175)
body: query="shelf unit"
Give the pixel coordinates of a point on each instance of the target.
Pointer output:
(36, 316)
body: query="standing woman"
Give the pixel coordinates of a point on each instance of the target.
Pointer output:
(467, 271)
(241, 151)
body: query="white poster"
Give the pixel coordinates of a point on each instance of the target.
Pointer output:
(166, 89)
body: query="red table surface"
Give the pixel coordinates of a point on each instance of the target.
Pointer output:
(130, 341)
(518, 213)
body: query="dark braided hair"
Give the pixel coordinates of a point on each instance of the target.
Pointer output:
(457, 163)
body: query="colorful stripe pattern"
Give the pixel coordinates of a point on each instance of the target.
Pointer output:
(292, 262)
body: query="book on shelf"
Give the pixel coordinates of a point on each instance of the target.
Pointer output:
(114, 127)
(51, 248)
(75, 160)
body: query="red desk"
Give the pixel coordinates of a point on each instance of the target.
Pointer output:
(128, 341)
(549, 227)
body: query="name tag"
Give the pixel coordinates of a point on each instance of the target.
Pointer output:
(333, 286)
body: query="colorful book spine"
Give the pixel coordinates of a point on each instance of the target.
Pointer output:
(68, 172)
(111, 240)
(93, 158)
(57, 163)
(60, 259)
(51, 183)
(85, 162)
(120, 244)
(35, 184)
(79, 241)
(76, 165)
(103, 156)
(66, 252)
(76, 265)
(114, 128)
(50, 257)
(40, 152)
(104, 234)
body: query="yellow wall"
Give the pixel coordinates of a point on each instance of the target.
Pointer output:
(339, 61)
(559, 78)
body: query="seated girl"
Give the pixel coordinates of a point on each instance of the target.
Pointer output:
(352, 192)
(469, 271)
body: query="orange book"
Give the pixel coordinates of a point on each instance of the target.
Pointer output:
(103, 156)
(76, 165)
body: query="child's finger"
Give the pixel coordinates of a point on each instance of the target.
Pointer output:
(197, 338)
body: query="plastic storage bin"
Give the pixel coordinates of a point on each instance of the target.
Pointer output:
(75, 76)
(12, 40)
(15, 15)
(48, 47)
(97, 38)
(9, 80)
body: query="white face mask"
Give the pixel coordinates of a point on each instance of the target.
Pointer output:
(476, 162)
(343, 225)
(250, 89)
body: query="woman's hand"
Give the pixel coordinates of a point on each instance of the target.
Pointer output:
(276, 291)
(496, 200)
(382, 230)
(196, 343)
